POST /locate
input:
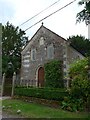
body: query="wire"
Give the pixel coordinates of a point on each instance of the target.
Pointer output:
(51, 14)
(39, 13)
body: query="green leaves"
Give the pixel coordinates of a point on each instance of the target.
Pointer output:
(80, 44)
(13, 39)
(73, 104)
(84, 15)
(79, 68)
(53, 74)
(43, 93)
(80, 85)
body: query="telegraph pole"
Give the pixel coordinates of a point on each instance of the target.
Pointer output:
(0, 57)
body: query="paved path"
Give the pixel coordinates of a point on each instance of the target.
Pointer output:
(5, 97)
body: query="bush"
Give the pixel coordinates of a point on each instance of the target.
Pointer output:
(80, 87)
(44, 93)
(72, 104)
(79, 67)
(53, 74)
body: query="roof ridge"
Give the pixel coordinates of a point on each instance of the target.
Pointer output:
(54, 32)
(37, 32)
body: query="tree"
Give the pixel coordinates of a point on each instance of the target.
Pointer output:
(13, 39)
(84, 15)
(80, 44)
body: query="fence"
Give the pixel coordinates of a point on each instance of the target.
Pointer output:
(28, 82)
(7, 85)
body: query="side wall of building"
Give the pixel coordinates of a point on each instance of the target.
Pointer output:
(70, 55)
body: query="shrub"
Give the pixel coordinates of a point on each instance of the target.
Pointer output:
(44, 93)
(79, 67)
(80, 86)
(72, 104)
(53, 74)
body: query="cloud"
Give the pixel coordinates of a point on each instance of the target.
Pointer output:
(6, 11)
(63, 22)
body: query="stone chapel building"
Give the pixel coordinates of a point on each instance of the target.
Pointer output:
(43, 47)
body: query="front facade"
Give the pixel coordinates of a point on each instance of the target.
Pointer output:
(43, 47)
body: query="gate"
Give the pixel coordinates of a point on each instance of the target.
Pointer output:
(7, 88)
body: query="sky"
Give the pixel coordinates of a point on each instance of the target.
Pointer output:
(63, 22)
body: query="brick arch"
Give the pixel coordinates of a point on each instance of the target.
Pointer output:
(41, 77)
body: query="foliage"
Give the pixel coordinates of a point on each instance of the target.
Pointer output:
(79, 95)
(80, 83)
(80, 86)
(79, 67)
(44, 93)
(13, 39)
(72, 104)
(80, 44)
(53, 74)
(84, 15)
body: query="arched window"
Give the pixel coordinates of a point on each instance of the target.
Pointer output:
(41, 41)
(33, 54)
(50, 52)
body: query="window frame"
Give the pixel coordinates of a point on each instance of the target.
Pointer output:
(33, 54)
(50, 51)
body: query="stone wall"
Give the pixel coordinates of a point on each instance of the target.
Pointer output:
(49, 38)
(45, 45)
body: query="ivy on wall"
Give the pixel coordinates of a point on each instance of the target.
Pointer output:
(54, 74)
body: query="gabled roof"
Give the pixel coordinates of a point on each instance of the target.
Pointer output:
(43, 27)
(37, 33)
(53, 32)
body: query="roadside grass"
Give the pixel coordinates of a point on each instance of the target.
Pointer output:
(0, 102)
(33, 110)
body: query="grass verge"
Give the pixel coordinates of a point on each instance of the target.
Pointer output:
(33, 110)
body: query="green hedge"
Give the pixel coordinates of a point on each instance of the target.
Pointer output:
(44, 93)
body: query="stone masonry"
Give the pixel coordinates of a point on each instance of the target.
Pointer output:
(43, 47)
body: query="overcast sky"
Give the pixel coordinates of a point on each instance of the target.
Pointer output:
(62, 23)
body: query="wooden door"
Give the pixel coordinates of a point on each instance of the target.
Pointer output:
(41, 77)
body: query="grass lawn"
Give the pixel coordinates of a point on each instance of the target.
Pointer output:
(33, 110)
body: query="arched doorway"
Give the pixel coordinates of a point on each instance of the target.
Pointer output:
(41, 77)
